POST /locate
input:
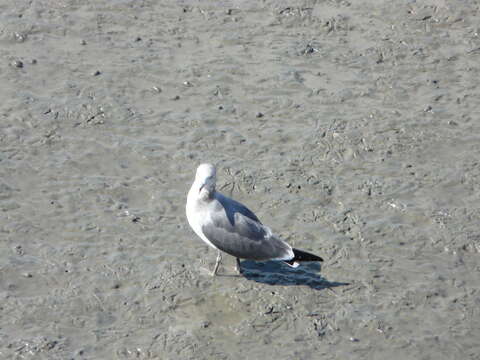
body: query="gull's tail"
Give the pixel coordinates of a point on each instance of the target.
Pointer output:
(300, 255)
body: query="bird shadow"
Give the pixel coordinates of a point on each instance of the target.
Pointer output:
(277, 273)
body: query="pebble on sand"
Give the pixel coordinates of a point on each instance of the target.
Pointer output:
(17, 64)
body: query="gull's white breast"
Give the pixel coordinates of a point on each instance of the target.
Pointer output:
(194, 217)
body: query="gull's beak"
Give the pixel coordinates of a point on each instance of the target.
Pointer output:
(206, 184)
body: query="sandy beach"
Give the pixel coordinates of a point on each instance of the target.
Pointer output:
(350, 128)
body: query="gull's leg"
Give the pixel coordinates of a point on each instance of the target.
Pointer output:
(238, 267)
(219, 258)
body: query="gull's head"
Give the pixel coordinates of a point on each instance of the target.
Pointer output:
(206, 177)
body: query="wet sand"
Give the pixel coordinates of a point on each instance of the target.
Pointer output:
(350, 128)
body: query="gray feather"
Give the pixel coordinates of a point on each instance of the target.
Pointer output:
(232, 207)
(234, 229)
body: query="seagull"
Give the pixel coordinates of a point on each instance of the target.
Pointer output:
(227, 225)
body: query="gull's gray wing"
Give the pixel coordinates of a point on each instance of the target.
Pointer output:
(232, 207)
(234, 229)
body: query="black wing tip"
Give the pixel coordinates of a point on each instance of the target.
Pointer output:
(300, 255)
